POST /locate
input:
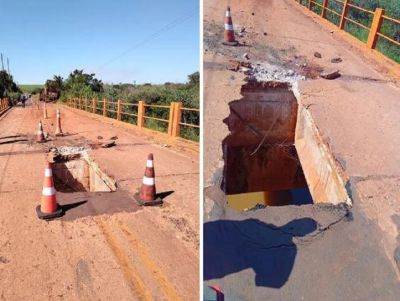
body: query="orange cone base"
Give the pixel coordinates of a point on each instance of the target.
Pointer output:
(49, 216)
(234, 43)
(156, 202)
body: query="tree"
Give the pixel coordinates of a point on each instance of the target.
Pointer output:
(81, 81)
(7, 84)
(59, 82)
(194, 78)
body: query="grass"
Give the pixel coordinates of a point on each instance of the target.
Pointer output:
(29, 88)
(388, 28)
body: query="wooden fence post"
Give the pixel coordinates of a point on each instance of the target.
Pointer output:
(323, 11)
(177, 119)
(119, 109)
(80, 103)
(86, 103)
(375, 27)
(310, 4)
(344, 14)
(104, 106)
(140, 115)
(94, 105)
(171, 118)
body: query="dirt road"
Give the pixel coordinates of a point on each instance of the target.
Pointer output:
(108, 248)
(356, 116)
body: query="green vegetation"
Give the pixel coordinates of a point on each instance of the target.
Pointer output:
(31, 89)
(388, 28)
(80, 84)
(8, 88)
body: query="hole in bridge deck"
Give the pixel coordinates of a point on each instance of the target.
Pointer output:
(83, 189)
(74, 171)
(261, 162)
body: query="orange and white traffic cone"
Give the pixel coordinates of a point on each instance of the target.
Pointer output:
(229, 34)
(44, 110)
(48, 208)
(147, 194)
(58, 128)
(40, 136)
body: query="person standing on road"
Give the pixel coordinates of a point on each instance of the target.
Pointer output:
(23, 99)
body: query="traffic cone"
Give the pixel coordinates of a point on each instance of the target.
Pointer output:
(44, 110)
(40, 136)
(229, 34)
(48, 208)
(58, 128)
(147, 194)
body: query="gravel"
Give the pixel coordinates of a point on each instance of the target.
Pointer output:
(267, 72)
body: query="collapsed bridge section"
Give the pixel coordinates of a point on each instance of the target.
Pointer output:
(262, 164)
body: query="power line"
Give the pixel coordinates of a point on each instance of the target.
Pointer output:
(150, 37)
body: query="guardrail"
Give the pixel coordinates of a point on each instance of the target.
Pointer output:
(374, 28)
(144, 115)
(4, 105)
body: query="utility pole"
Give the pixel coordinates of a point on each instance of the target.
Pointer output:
(2, 63)
(8, 66)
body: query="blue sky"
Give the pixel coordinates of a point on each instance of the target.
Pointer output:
(158, 40)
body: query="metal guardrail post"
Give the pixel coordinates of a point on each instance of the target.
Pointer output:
(177, 120)
(375, 27)
(323, 11)
(119, 109)
(104, 107)
(140, 115)
(94, 105)
(171, 118)
(344, 14)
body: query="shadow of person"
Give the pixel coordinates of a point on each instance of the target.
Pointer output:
(232, 246)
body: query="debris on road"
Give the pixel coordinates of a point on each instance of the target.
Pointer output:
(99, 137)
(336, 60)
(233, 65)
(108, 144)
(267, 72)
(332, 74)
(114, 138)
(317, 55)
(246, 56)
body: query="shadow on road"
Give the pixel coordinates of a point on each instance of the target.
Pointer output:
(232, 246)
(68, 207)
(164, 194)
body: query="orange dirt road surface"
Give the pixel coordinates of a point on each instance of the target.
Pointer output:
(108, 248)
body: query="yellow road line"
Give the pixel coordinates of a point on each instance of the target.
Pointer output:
(138, 287)
(167, 287)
